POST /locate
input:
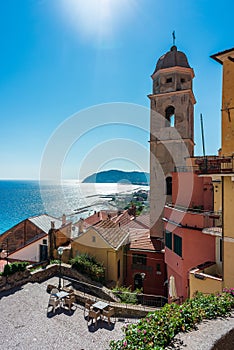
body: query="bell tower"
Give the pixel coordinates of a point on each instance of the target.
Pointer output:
(171, 129)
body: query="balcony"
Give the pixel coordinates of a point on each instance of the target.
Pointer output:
(210, 165)
(192, 217)
(205, 278)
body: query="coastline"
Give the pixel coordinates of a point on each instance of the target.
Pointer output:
(21, 199)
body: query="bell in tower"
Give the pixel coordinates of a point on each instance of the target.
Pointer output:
(171, 128)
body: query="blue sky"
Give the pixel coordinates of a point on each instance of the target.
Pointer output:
(60, 57)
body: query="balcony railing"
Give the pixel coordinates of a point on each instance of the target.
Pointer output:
(195, 210)
(185, 216)
(210, 165)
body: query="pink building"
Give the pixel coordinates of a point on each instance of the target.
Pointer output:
(186, 246)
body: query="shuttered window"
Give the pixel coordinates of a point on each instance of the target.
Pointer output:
(168, 239)
(178, 245)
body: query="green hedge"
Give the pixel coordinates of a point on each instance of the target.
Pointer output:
(157, 329)
(88, 265)
(12, 268)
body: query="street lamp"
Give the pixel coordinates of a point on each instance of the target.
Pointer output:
(60, 253)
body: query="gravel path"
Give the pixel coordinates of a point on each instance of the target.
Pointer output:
(25, 323)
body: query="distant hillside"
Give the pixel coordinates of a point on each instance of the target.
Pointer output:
(114, 176)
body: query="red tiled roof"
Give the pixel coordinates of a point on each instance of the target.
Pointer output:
(140, 222)
(99, 216)
(141, 240)
(144, 220)
(111, 233)
(123, 219)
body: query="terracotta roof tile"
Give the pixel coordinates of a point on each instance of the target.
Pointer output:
(99, 216)
(141, 240)
(111, 232)
(140, 222)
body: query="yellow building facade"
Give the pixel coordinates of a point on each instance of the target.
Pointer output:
(221, 168)
(226, 58)
(99, 244)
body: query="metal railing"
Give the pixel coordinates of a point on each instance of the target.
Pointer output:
(133, 298)
(209, 165)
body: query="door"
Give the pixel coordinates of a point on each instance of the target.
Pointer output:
(43, 252)
(138, 283)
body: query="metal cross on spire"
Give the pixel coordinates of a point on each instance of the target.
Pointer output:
(173, 36)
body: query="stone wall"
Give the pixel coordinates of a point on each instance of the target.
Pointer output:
(37, 276)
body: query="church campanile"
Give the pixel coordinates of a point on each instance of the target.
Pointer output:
(171, 129)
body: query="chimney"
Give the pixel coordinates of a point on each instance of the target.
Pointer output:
(63, 220)
(81, 226)
(52, 224)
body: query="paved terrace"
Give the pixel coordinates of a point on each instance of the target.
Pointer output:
(25, 323)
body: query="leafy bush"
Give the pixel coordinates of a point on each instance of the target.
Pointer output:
(87, 264)
(55, 261)
(157, 329)
(10, 269)
(125, 294)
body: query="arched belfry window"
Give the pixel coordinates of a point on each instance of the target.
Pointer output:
(169, 186)
(170, 116)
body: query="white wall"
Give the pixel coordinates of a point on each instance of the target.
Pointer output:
(30, 253)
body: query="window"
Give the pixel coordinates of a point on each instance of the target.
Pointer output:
(182, 80)
(118, 269)
(169, 80)
(220, 250)
(178, 245)
(139, 259)
(169, 185)
(93, 239)
(44, 241)
(170, 116)
(168, 240)
(158, 269)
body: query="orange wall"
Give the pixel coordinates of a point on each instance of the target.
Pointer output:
(190, 190)
(190, 219)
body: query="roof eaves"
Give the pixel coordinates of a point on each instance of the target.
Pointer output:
(122, 241)
(216, 55)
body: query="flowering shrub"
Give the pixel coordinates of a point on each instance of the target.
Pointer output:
(87, 264)
(229, 291)
(157, 329)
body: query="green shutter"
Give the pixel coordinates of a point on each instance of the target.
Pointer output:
(168, 240)
(178, 245)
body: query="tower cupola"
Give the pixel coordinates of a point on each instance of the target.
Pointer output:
(172, 58)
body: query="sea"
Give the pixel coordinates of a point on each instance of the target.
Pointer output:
(20, 199)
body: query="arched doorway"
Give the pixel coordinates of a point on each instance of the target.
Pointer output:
(138, 282)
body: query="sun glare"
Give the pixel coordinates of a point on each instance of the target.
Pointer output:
(96, 19)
